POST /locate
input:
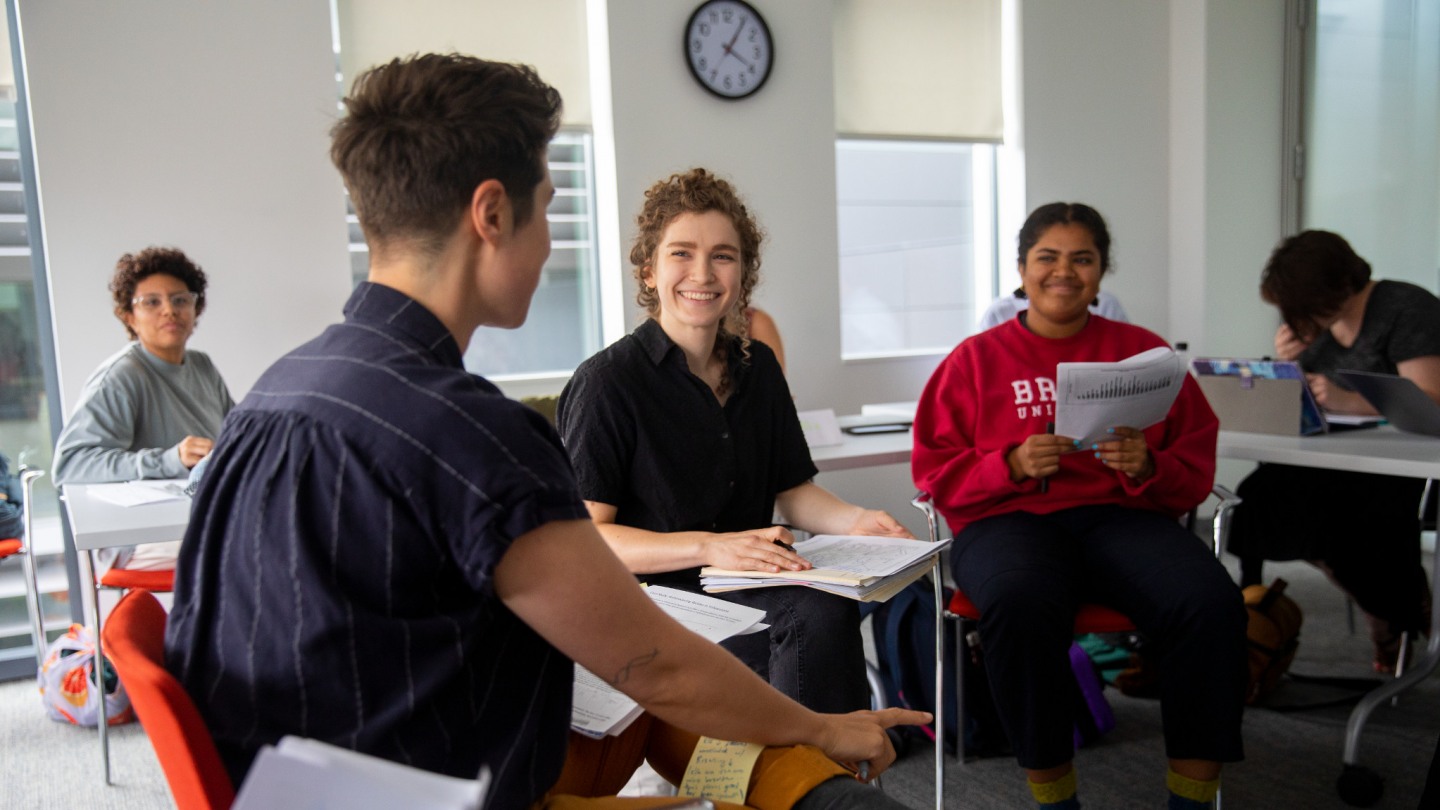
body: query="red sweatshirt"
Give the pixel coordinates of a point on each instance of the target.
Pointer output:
(998, 387)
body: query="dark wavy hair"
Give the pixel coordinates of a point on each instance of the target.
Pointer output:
(696, 192)
(420, 133)
(1309, 276)
(1061, 213)
(133, 268)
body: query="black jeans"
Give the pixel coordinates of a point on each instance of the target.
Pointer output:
(1028, 573)
(812, 651)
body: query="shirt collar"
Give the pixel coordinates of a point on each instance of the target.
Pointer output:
(658, 346)
(388, 307)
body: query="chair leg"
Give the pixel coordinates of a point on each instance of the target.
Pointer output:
(938, 583)
(27, 565)
(877, 687)
(87, 573)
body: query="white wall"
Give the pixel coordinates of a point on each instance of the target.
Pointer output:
(1166, 118)
(1095, 105)
(201, 125)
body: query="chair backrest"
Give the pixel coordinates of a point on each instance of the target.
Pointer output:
(134, 639)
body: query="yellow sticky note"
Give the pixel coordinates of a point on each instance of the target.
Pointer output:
(719, 770)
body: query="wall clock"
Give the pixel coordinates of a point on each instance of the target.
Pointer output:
(728, 48)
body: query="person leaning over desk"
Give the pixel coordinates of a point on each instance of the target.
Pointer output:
(153, 409)
(1361, 528)
(1042, 524)
(390, 556)
(685, 441)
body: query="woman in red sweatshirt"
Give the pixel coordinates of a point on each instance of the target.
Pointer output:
(1042, 524)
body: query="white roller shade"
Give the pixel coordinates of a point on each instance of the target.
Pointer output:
(548, 34)
(918, 69)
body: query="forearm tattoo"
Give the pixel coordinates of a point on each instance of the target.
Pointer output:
(639, 661)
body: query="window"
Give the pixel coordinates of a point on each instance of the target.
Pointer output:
(563, 327)
(25, 435)
(1373, 123)
(564, 324)
(917, 244)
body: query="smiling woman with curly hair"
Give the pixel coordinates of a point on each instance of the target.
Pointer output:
(685, 441)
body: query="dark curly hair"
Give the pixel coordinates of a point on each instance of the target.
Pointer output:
(1309, 277)
(421, 133)
(696, 192)
(133, 268)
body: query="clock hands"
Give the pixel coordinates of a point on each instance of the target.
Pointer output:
(730, 46)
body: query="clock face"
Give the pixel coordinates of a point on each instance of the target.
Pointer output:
(728, 48)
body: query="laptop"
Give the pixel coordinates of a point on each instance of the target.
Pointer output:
(1259, 396)
(1401, 401)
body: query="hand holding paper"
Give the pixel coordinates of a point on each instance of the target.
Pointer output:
(1127, 452)
(1092, 398)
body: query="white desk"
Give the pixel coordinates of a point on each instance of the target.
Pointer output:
(98, 524)
(1380, 450)
(872, 450)
(1372, 450)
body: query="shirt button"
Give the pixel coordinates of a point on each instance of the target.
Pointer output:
(725, 435)
(732, 484)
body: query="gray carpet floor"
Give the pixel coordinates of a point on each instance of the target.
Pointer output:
(1292, 759)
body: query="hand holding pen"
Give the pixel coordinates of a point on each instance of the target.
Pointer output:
(1039, 457)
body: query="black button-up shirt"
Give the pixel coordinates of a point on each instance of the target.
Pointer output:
(336, 580)
(649, 438)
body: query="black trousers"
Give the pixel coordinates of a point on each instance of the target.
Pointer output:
(1028, 573)
(1364, 527)
(812, 652)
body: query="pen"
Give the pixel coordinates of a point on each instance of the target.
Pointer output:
(784, 545)
(1045, 482)
(864, 770)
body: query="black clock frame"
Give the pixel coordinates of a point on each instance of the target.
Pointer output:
(685, 52)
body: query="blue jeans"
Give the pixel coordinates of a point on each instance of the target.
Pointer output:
(812, 651)
(1028, 573)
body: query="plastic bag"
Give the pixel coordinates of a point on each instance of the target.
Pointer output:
(67, 683)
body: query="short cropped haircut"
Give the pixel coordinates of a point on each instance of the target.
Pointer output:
(133, 268)
(1060, 213)
(421, 133)
(696, 192)
(1309, 277)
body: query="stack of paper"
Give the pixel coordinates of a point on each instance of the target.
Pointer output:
(598, 709)
(867, 569)
(307, 773)
(139, 493)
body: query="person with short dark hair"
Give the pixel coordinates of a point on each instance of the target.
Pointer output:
(1042, 524)
(1362, 529)
(153, 409)
(389, 555)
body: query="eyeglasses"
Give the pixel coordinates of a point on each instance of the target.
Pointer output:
(180, 302)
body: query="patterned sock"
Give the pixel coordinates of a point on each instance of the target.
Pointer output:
(1057, 795)
(1190, 794)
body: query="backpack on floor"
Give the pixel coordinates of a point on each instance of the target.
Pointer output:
(1273, 636)
(904, 632)
(68, 682)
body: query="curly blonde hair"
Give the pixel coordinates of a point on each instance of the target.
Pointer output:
(696, 192)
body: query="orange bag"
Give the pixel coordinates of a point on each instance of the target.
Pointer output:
(1273, 636)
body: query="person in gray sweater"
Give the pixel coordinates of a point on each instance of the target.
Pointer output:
(153, 409)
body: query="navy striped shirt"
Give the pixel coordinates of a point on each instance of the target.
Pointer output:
(336, 580)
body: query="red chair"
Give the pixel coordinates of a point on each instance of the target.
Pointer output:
(135, 638)
(1089, 619)
(121, 580)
